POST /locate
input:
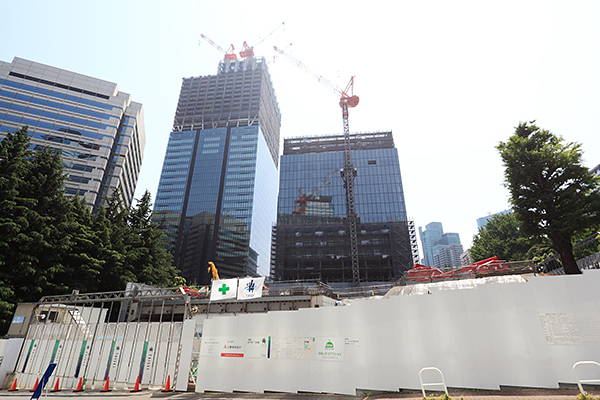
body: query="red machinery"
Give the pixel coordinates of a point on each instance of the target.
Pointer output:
(305, 198)
(489, 266)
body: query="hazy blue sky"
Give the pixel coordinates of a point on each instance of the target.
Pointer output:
(450, 78)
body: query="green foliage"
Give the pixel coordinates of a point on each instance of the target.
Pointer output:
(146, 253)
(585, 396)
(502, 236)
(552, 194)
(52, 244)
(443, 396)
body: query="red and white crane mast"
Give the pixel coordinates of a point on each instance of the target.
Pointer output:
(348, 172)
(229, 54)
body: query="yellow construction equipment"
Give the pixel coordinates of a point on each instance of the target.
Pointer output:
(213, 270)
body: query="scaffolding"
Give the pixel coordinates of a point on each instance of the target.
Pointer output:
(311, 247)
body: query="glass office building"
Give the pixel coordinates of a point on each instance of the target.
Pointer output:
(440, 249)
(379, 196)
(312, 246)
(98, 129)
(217, 193)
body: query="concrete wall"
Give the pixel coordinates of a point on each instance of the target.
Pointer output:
(511, 334)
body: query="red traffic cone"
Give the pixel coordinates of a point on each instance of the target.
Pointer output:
(168, 385)
(56, 389)
(13, 388)
(35, 386)
(106, 389)
(79, 386)
(136, 388)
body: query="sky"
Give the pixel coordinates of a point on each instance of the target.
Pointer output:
(450, 79)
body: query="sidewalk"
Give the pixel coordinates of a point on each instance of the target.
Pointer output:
(512, 394)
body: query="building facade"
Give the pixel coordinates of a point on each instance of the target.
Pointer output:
(481, 222)
(313, 243)
(217, 193)
(441, 250)
(98, 129)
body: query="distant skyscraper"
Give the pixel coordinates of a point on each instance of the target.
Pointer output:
(97, 128)
(430, 237)
(311, 237)
(440, 249)
(483, 220)
(217, 192)
(465, 258)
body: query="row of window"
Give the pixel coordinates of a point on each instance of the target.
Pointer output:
(50, 126)
(57, 95)
(53, 115)
(63, 140)
(60, 85)
(59, 106)
(68, 153)
(172, 179)
(78, 167)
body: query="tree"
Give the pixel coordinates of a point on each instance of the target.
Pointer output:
(502, 236)
(51, 244)
(552, 194)
(14, 150)
(84, 257)
(33, 210)
(148, 256)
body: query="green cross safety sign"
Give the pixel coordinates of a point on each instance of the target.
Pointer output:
(223, 289)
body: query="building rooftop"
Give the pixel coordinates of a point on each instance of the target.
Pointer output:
(327, 143)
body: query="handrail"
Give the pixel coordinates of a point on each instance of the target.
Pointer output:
(579, 381)
(443, 382)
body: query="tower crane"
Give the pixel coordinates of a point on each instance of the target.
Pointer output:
(248, 51)
(229, 54)
(303, 199)
(348, 172)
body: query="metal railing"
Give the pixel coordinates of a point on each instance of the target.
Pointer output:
(586, 252)
(580, 381)
(443, 382)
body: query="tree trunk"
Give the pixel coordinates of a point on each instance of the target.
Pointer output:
(565, 250)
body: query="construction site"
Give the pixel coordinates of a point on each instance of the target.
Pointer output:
(499, 325)
(347, 311)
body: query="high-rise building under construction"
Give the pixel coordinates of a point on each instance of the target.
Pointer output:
(310, 239)
(217, 193)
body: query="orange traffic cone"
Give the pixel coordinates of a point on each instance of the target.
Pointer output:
(35, 386)
(106, 389)
(56, 389)
(13, 388)
(79, 386)
(168, 385)
(136, 388)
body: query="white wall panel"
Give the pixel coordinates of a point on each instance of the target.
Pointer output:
(186, 341)
(576, 298)
(162, 348)
(513, 334)
(485, 337)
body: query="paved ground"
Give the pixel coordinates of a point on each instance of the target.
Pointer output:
(513, 394)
